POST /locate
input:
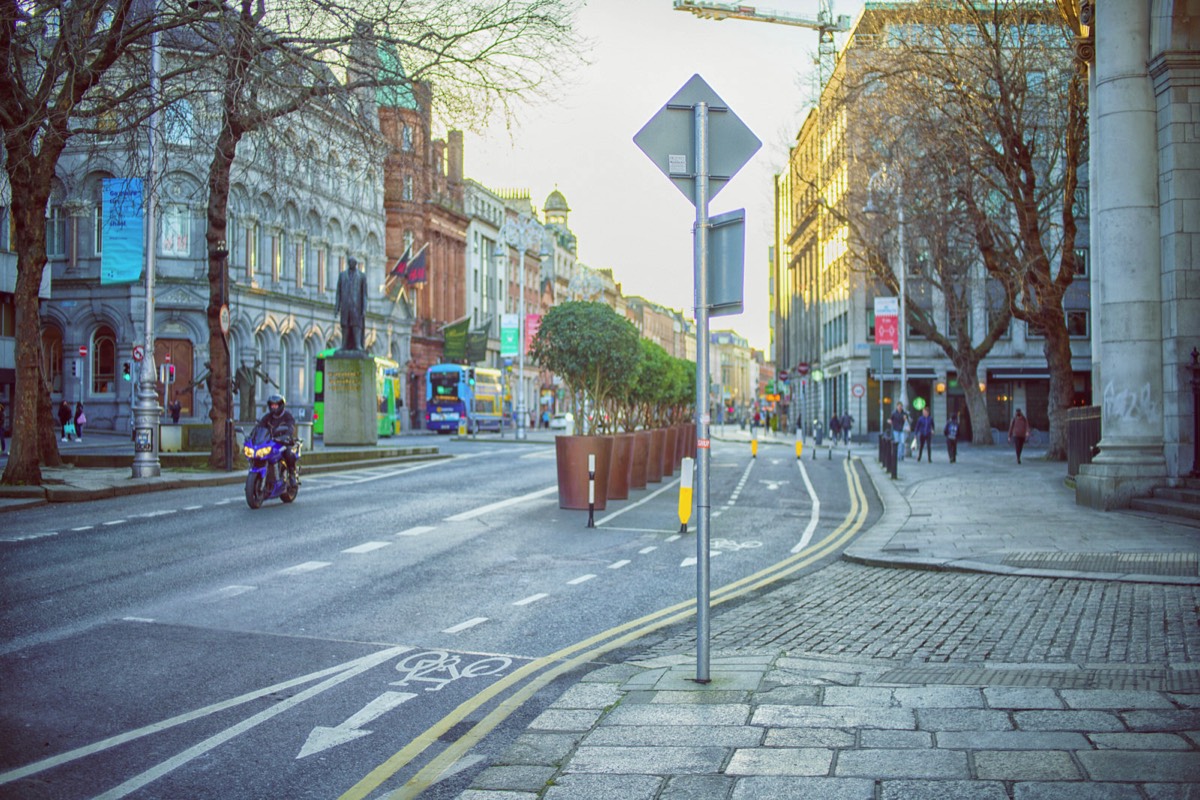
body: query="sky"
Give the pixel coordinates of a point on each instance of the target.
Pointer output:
(625, 213)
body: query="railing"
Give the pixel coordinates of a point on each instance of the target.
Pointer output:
(1083, 434)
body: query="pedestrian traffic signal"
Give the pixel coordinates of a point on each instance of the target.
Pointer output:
(170, 373)
(74, 368)
(471, 376)
(126, 374)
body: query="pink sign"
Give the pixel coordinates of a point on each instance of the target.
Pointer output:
(532, 323)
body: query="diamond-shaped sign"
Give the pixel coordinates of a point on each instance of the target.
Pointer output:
(669, 139)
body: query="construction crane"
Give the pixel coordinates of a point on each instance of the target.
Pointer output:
(824, 23)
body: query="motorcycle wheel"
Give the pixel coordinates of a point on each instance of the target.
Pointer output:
(254, 490)
(289, 494)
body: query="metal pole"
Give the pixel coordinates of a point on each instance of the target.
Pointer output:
(521, 411)
(903, 294)
(146, 409)
(703, 418)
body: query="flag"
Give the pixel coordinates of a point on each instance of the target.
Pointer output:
(394, 284)
(414, 273)
(454, 347)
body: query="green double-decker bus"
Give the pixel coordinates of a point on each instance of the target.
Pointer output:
(387, 393)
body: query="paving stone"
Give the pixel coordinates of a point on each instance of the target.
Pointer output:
(873, 696)
(1092, 721)
(1185, 720)
(963, 719)
(834, 717)
(809, 737)
(540, 748)
(483, 794)
(1022, 698)
(577, 720)
(1140, 741)
(1012, 740)
(1170, 791)
(589, 695)
(1075, 790)
(1142, 765)
(1019, 765)
(522, 778)
(713, 698)
(896, 739)
(943, 790)
(679, 714)
(1185, 700)
(1108, 699)
(780, 761)
(790, 696)
(698, 787)
(793, 788)
(677, 735)
(939, 697)
(648, 760)
(604, 787)
(901, 764)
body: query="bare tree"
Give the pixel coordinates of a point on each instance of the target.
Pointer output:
(987, 107)
(270, 61)
(55, 86)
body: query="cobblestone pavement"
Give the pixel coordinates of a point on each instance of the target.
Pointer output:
(948, 660)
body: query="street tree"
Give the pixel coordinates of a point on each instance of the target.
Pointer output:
(70, 70)
(986, 111)
(271, 59)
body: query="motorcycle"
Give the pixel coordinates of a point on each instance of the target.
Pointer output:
(267, 477)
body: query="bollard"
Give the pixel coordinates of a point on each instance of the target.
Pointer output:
(830, 453)
(754, 448)
(685, 493)
(799, 449)
(591, 523)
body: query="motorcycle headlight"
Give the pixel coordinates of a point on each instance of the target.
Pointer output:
(263, 452)
(249, 451)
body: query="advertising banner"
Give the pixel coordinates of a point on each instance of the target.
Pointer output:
(887, 322)
(122, 236)
(508, 335)
(532, 323)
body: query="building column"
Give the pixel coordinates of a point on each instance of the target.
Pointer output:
(1125, 215)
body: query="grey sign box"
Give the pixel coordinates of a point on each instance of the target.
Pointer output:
(726, 262)
(669, 139)
(881, 359)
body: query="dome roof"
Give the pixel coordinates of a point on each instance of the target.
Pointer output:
(556, 202)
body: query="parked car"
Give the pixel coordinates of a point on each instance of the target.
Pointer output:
(562, 422)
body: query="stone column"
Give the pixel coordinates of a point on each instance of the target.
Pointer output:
(1125, 218)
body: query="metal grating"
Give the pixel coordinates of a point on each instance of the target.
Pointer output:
(1177, 564)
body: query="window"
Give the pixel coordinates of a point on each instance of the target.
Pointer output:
(104, 360)
(1077, 323)
(56, 232)
(6, 228)
(276, 256)
(1082, 205)
(178, 121)
(176, 230)
(406, 139)
(8, 316)
(407, 193)
(1082, 262)
(299, 255)
(98, 220)
(322, 256)
(251, 250)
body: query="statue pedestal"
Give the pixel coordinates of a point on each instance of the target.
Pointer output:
(351, 407)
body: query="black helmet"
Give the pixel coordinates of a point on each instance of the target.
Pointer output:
(276, 404)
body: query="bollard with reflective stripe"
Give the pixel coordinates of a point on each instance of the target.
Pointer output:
(754, 447)
(685, 492)
(799, 449)
(591, 523)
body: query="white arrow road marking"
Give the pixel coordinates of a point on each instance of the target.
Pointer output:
(323, 738)
(691, 562)
(772, 486)
(816, 510)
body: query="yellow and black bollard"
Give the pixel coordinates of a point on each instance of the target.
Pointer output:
(799, 448)
(685, 493)
(754, 447)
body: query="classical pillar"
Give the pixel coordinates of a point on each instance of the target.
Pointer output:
(1125, 218)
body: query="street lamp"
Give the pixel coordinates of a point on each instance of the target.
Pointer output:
(221, 251)
(522, 234)
(895, 187)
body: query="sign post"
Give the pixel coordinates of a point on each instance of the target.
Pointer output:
(697, 123)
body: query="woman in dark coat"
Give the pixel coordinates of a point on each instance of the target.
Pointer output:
(64, 416)
(1018, 432)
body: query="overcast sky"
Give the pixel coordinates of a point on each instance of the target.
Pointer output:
(626, 214)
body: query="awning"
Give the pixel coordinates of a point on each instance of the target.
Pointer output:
(1018, 374)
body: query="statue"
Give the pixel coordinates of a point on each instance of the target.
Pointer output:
(352, 306)
(246, 385)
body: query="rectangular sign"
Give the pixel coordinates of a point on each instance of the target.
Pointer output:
(508, 335)
(887, 322)
(532, 323)
(122, 236)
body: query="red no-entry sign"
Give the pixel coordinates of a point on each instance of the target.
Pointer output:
(82, 350)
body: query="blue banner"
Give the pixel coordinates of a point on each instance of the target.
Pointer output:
(123, 236)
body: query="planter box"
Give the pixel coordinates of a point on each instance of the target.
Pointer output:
(572, 455)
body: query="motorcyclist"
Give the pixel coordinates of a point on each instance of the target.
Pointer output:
(276, 418)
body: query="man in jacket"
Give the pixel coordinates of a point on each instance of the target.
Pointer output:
(924, 430)
(899, 420)
(282, 425)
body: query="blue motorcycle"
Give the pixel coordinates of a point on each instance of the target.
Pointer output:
(267, 477)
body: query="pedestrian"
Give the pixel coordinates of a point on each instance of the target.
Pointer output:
(176, 408)
(899, 425)
(64, 419)
(925, 434)
(80, 421)
(951, 434)
(755, 422)
(847, 425)
(835, 428)
(1018, 432)
(3, 431)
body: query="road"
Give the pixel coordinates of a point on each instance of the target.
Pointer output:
(179, 644)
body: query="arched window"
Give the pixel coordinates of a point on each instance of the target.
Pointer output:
(104, 360)
(285, 356)
(52, 356)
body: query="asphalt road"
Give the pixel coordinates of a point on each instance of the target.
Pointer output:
(358, 642)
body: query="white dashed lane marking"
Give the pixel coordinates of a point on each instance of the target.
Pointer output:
(366, 547)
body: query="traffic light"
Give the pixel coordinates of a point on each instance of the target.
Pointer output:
(170, 373)
(125, 374)
(74, 368)
(471, 376)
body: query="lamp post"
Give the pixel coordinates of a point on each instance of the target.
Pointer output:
(897, 192)
(522, 234)
(221, 251)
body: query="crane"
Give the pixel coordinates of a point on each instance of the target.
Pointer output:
(824, 23)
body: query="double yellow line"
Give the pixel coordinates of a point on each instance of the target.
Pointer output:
(552, 666)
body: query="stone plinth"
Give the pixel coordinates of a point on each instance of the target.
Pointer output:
(350, 402)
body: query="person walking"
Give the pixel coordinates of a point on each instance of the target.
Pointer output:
(1018, 432)
(80, 421)
(835, 428)
(64, 418)
(899, 423)
(924, 431)
(951, 434)
(847, 425)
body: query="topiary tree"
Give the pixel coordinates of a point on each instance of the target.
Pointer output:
(594, 350)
